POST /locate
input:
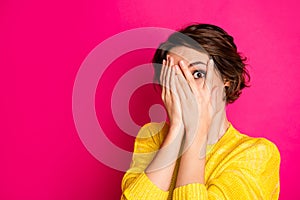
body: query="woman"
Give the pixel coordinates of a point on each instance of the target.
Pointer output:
(198, 154)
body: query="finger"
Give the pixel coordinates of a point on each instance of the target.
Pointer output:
(172, 81)
(162, 71)
(163, 80)
(217, 98)
(179, 89)
(188, 76)
(183, 86)
(209, 75)
(177, 70)
(167, 76)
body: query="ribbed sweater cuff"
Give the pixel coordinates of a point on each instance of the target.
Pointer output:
(190, 191)
(142, 188)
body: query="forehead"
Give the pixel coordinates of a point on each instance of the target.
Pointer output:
(188, 54)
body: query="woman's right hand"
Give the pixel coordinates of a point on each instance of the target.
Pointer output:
(169, 93)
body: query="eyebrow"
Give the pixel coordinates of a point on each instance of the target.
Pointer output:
(196, 63)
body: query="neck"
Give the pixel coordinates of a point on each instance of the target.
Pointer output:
(218, 127)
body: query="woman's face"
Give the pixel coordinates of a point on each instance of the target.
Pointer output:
(197, 62)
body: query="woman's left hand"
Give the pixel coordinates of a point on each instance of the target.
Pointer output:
(200, 101)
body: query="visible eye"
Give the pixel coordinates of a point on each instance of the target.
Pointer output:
(199, 74)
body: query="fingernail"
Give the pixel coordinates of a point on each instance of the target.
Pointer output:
(181, 62)
(176, 68)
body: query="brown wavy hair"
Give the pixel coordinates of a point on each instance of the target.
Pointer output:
(219, 45)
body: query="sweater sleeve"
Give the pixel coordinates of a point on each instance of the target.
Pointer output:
(135, 183)
(250, 174)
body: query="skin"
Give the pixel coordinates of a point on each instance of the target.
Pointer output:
(193, 94)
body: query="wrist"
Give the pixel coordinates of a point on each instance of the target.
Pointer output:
(175, 132)
(176, 125)
(197, 138)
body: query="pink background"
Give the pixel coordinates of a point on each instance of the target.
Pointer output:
(43, 44)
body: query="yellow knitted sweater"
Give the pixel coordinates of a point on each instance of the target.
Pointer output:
(237, 167)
